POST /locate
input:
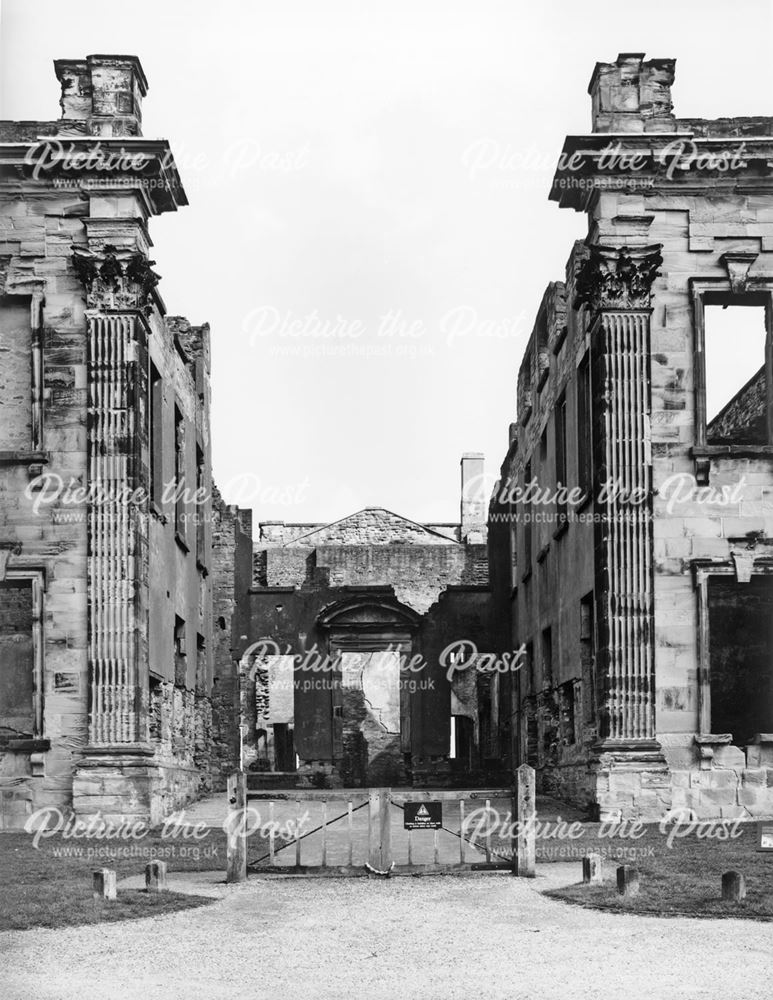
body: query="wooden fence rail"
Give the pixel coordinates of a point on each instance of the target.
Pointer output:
(339, 838)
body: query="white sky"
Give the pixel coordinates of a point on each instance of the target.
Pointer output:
(333, 154)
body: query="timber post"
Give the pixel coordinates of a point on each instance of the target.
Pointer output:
(379, 832)
(523, 816)
(236, 845)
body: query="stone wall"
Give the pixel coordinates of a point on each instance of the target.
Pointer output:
(662, 244)
(80, 303)
(436, 586)
(47, 538)
(232, 576)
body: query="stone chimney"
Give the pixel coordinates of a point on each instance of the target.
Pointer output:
(101, 95)
(474, 499)
(631, 95)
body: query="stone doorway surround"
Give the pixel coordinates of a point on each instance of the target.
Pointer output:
(371, 741)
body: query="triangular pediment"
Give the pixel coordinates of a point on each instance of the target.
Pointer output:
(372, 526)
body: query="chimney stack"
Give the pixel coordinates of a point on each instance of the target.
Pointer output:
(101, 95)
(474, 500)
(631, 95)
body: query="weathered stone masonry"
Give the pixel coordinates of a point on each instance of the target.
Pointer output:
(367, 594)
(105, 698)
(631, 606)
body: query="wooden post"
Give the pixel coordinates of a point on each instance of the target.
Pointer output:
(236, 846)
(591, 868)
(733, 887)
(523, 817)
(627, 881)
(379, 832)
(155, 876)
(103, 884)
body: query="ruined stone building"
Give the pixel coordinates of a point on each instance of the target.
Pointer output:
(644, 599)
(349, 679)
(148, 644)
(106, 556)
(130, 596)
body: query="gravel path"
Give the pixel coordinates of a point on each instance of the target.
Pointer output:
(434, 938)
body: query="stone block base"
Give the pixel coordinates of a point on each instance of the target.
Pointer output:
(128, 787)
(731, 783)
(632, 784)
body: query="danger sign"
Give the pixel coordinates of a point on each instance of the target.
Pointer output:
(422, 815)
(765, 836)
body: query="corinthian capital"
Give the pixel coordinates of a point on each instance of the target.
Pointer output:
(618, 277)
(115, 278)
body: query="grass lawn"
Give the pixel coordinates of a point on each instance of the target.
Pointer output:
(51, 886)
(683, 879)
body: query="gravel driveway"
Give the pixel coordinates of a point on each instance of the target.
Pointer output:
(435, 938)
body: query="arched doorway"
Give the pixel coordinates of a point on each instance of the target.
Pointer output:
(370, 640)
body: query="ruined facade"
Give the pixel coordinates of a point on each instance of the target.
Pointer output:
(106, 644)
(345, 678)
(642, 593)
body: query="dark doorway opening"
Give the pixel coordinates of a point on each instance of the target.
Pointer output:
(741, 657)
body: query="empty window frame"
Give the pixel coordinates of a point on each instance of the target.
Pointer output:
(20, 376)
(547, 657)
(560, 458)
(740, 652)
(567, 721)
(21, 655)
(201, 507)
(527, 522)
(588, 657)
(156, 435)
(180, 653)
(525, 393)
(179, 473)
(585, 427)
(733, 370)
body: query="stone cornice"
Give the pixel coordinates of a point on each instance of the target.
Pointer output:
(97, 164)
(655, 161)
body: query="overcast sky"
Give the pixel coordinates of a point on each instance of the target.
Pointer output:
(352, 170)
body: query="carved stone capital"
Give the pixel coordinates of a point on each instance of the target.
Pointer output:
(115, 278)
(618, 277)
